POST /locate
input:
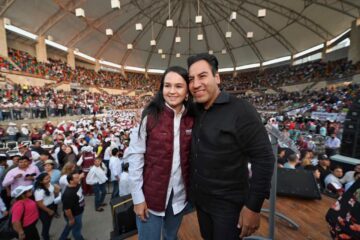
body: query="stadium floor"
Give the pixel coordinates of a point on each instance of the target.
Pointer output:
(309, 214)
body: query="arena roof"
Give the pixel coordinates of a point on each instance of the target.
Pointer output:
(289, 27)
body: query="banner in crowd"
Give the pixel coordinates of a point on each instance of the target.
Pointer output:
(297, 111)
(324, 116)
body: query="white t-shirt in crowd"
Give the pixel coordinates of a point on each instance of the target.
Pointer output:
(40, 195)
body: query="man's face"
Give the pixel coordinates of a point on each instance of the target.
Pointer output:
(325, 162)
(338, 172)
(76, 179)
(23, 163)
(357, 168)
(203, 84)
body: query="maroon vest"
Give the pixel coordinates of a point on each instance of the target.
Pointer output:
(88, 161)
(159, 156)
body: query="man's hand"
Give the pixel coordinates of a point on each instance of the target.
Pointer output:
(141, 211)
(18, 176)
(71, 221)
(249, 222)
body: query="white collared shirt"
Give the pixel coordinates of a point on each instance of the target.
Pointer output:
(135, 156)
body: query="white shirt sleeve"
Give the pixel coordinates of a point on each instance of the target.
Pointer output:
(135, 157)
(39, 194)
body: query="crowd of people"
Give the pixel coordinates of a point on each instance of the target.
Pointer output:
(26, 102)
(88, 151)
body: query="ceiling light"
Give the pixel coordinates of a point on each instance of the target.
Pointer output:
(250, 34)
(223, 51)
(50, 38)
(177, 39)
(163, 56)
(232, 16)
(198, 19)
(152, 42)
(200, 37)
(109, 32)
(160, 51)
(211, 52)
(169, 23)
(129, 46)
(79, 12)
(261, 13)
(115, 4)
(228, 34)
(178, 55)
(138, 27)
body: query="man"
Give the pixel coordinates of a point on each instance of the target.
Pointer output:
(332, 180)
(115, 171)
(228, 133)
(324, 168)
(23, 175)
(73, 206)
(350, 175)
(332, 145)
(292, 161)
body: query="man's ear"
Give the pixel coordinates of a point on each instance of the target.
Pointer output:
(217, 78)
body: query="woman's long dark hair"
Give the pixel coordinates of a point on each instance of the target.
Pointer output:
(156, 106)
(39, 185)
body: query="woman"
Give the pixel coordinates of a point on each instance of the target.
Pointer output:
(67, 169)
(24, 213)
(54, 174)
(158, 158)
(97, 178)
(45, 194)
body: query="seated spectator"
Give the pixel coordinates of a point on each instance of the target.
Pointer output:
(324, 168)
(332, 181)
(356, 177)
(316, 174)
(349, 175)
(292, 161)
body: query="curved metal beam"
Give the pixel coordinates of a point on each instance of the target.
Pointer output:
(117, 32)
(60, 14)
(205, 35)
(6, 6)
(265, 26)
(139, 36)
(175, 33)
(218, 29)
(293, 16)
(242, 32)
(324, 3)
(94, 26)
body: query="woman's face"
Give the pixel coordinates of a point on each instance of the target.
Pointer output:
(175, 90)
(48, 167)
(68, 150)
(46, 179)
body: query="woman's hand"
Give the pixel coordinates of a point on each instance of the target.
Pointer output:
(141, 211)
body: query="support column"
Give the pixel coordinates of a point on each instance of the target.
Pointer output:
(41, 54)
(97, 65)
(354, 49)
(3, 40)
(71, 58)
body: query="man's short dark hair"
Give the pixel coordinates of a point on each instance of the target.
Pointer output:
(210, 59)
(114, 151)
(70, 176)
(292, 158)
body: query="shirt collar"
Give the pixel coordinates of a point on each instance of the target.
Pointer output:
(223, 97)
(181, 111)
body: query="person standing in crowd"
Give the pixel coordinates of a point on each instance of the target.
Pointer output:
(12, 131)
(332, 145)
(54, 174)
(115, 170)
(332, 180)
(158, 158)
(349, 175)
(45, 194)
(24, 213)
(124, 187)
(73, 204)
(97, 178)
(86, 161)
(293, 160)
(228, 133)
(23, 175)
(66, 170)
